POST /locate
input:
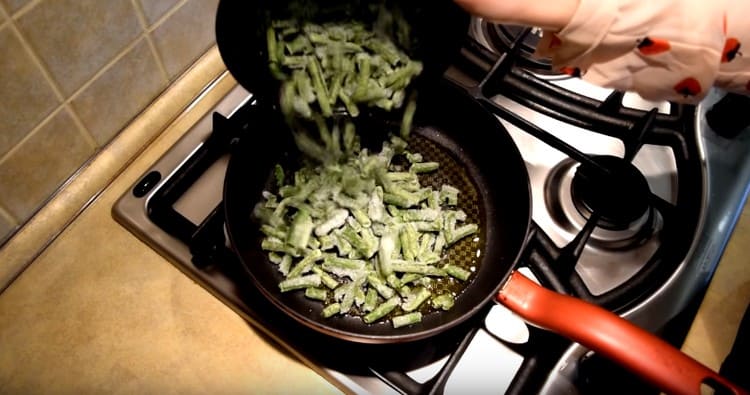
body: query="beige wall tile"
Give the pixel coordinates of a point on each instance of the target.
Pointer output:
(32, 172)
(25, 96)
(154, 9)
(119, 94)
(14, 5)
(75, 38)
(6, 226)
(186, 35)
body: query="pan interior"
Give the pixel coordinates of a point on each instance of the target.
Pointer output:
(495, 197)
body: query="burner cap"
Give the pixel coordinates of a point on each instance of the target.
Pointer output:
(620, 198)
(502, 37)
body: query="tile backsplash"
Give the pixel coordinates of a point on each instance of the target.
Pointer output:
(73, 73)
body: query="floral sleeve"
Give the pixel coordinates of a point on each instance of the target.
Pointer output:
(662, 49)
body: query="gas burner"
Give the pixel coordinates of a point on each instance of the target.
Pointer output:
(619, 199)
(500, 37)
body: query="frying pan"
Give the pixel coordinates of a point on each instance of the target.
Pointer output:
(479, 155)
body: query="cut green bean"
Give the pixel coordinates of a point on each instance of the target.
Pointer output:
(325, 279)
(306, 264)
(462, 231)
(406, 319)
(443, 301)
(331, 310)
(290, 284)
(382, 310)
(457, 272)
(316, 293)
(418, 268)
(371, 300)
(286, 264)
(409, 242)
(424, 167)
(415, 298)
(379, 285)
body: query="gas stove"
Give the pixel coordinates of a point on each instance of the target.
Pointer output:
(641, 240)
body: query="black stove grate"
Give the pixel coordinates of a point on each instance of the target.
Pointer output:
(553, 266)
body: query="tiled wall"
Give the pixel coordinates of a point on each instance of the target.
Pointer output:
(73, 73)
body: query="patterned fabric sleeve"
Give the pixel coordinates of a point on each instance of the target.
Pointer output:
(662, 49)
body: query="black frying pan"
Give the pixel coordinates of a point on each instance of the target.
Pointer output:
(476, 154)
(438, 29)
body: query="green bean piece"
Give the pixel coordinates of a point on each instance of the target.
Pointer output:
(301, 230)
(304, 86)
(408, 278)
(320, 87)
(375, 206)
(404, 200)
(379, 285)
(371, 300)
(271, 43)
(326, 242)
(406, 319)
(290, 284)
(462, 231)
(275, 257)
(386, 250)
(449, 194)
(346, 293)
(424, 167)
(299, 44)
(276, 245)
(423, 214)
(409, 242)
(350, 106)
(443, 301)
(316, 293)
(296, 62)
(306, 264)
(359, 296)
(336, 140)
(273, 231)
(331, 310)
(349, 137)
(363, 65)
(419, 268)
(382, 310)
(415, 298)
(361, 216)
(276, 72)
(309, 147)
(326, 279)
(286, 264)
(335, 88)
(457, 272)
(408, 117)
(437, 248)
(335, 220)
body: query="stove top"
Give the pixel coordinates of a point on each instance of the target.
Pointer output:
(643, 246)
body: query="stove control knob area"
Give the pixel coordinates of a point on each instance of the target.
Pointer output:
(146, 184)
(730, 115)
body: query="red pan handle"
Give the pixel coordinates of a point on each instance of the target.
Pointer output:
(610, 335)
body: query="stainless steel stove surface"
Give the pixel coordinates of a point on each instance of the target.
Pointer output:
(648, 256)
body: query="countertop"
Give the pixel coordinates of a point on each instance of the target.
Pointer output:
(97, 311)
